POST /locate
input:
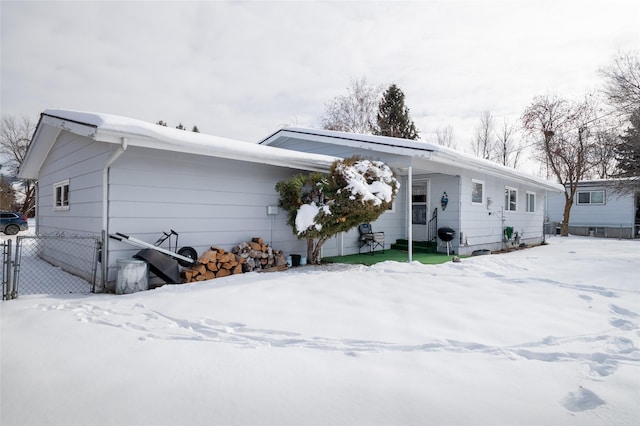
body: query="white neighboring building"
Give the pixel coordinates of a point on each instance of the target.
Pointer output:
(598, 210)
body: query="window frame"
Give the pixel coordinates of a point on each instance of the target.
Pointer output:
(482, 194)
(61, 195)
(591, 192)
(508, 190)
(531, 207)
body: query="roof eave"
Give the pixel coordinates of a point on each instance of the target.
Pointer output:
(259, 154)
(451, 159)
(49, 127)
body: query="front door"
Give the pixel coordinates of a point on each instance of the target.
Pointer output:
(420, 210)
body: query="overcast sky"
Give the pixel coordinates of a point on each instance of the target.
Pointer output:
(245, 69)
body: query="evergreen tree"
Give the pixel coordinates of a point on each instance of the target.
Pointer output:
(320, 206)
(628, 152)
(162, 123)
(195, 129)
(393, 116)
(180, 127)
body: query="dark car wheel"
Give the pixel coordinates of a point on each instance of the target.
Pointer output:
(189, 252)
(12, 229)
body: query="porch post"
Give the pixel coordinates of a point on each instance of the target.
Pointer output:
(409, 213)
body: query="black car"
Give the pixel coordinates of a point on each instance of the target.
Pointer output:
(13, 222)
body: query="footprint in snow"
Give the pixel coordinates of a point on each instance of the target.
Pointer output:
(581, 400)
(622, 324)
(622, 311)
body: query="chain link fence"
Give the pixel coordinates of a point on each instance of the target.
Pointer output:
(50, 264)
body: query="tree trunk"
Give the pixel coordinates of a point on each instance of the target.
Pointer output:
(564, 230)
(310, 259)
(313, 250)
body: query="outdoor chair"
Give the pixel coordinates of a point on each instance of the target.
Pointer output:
(370, 238)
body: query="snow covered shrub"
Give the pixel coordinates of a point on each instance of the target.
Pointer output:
(320, 206)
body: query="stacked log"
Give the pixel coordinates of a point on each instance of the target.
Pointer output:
(259, 257)
(214, 263)
(248, 256)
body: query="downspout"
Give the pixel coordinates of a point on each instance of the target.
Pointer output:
(105, 208)
(545, 215)
(409, 213)
(37, 209)
(460, 212)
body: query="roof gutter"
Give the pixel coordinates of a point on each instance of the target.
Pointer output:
(105, 206)
(453, 159)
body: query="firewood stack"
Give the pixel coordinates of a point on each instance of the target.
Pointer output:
(248, 256)
(214, 263)
(258, 256)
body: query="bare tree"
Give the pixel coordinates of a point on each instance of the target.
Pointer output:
(604, 154)
(7, 193)
(15, 136)
(483, 145)
(507, 149)
(564, 141)
(355, 112)
(622, 82)
(444, 137)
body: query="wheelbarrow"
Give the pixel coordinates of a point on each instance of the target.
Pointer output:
(162, 262)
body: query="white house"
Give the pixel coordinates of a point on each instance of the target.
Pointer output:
(483, 198)
(101, 174)
(599, 210)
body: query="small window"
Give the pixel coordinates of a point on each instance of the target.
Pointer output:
(477, 191)
(531, 202)
(61, 194)
(511, 199)
(590, 197)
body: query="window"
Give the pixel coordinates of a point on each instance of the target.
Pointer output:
(419, 204)
(510, 199)
(531, 202)
(61, 194)
(590, 197)
(477, 191)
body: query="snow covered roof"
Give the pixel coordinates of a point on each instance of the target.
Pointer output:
(433, 154)
(112, 128)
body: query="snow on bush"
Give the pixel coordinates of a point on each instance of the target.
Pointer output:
(369, 181)
(305, 218)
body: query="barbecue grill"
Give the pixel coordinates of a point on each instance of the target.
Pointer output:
(446, 234)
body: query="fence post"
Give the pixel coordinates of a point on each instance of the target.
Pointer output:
(16, 266)
(11, 274)
(96, 259)
(5, 268)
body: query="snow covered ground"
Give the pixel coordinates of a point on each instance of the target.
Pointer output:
(548, 335)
